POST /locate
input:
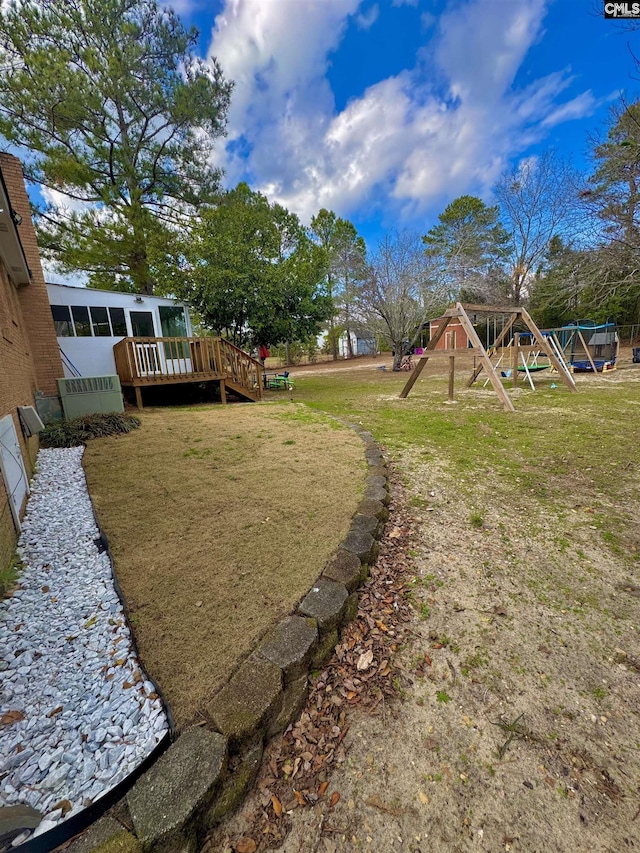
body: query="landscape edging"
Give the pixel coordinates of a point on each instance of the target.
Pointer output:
(267, 692)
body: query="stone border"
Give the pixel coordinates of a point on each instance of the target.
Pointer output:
(206, 772)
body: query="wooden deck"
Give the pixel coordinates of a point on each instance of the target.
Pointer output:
(145, 362)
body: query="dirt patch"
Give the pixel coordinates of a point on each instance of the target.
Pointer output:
(519, 729)
(219, 520)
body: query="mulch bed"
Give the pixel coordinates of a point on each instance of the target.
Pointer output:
(362, 674)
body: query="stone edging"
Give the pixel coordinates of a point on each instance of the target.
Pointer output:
(206, 772)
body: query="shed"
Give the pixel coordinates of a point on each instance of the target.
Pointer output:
(454, 337)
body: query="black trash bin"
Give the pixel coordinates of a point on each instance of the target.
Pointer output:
(636, 355)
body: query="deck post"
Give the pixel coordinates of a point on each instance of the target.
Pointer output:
(452, 374)
(223, 392)
(138, 391)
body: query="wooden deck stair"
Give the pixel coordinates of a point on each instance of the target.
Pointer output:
(150, 362)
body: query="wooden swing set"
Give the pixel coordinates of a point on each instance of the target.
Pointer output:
(540, 345)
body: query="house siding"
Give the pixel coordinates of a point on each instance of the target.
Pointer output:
(28, 347)
(93, 356)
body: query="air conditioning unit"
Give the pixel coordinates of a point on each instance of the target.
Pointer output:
(90, 395)
(30, 420)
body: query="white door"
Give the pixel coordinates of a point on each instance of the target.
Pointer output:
(12, 468)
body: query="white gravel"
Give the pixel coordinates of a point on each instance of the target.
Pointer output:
(84, 715)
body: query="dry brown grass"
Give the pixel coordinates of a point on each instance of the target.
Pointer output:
(219, 520)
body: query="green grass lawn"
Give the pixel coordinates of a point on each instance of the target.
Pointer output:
(556, 444)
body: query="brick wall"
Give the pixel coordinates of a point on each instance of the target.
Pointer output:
(29, 355)
(36, 311)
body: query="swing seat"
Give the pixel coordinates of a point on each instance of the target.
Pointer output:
(532, 368)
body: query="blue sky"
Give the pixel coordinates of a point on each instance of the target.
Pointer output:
(387, 110)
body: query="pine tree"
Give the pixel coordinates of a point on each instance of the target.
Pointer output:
(109, 107)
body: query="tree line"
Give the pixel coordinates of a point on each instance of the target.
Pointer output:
(118, 119)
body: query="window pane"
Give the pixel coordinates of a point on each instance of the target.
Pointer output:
(100, 322)
(174, 326)
(117, 322)
(81, 320)
(62, 321)
(172, 321)
(142, 324)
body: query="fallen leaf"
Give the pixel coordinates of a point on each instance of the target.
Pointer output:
(246, 845)
(44, 589)
(396, 533)
(65, 805)
(10, 717)
(300, 798)
(55, 711)
(423, 798)
(198, 604)
(277, 805)
(322, 789)
(377, 803)
(365, 660)
(334, 799)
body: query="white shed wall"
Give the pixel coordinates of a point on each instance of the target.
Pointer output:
(93, 356)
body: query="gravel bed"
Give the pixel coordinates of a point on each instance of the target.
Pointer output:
(76, 714)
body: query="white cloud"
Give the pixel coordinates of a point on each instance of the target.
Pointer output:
(367, 19)
(52, 275)
(584, 105)
(182, 7)
(444, 127)
(427, 20)
(58, 199)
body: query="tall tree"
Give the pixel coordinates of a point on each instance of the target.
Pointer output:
(254, 275)
(345, 253)
(613, 196)
(556, 293)
(597, 274)
(467, 249)
(348, 263)
(538, 200)
(114, 112)
(398, 296)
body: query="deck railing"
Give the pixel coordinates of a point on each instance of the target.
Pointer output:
(239, 367)
(152, 361)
